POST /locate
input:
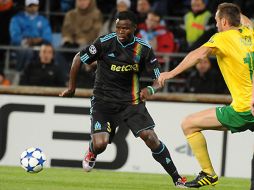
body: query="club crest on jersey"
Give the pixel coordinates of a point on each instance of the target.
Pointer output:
(92, 49)
(97, 126)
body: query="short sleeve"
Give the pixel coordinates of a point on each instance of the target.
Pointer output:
(91, 52)
(214, 42)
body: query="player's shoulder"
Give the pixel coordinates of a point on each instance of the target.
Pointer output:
(107, 37)
(142, 42)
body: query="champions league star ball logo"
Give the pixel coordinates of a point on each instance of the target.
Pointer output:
(92, 49)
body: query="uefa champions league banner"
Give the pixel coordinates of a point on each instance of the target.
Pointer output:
(61, 126)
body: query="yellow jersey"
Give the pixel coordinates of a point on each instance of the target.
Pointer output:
(234, 50)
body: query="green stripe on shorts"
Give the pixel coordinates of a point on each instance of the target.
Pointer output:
(235, 121)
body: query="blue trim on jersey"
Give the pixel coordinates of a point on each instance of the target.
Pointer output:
(84, 57)
(108, 37)
(157, 72)
(127, 44)
(142, 42)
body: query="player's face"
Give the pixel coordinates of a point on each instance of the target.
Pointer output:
(124, 30)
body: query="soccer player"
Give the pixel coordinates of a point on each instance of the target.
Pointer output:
(121, 57)
(233, 46)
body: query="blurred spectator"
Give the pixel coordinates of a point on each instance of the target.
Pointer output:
(82, 25)
(157, 35)
(110, 25)
(196, 21)
(205, 79)
(4, 81)
(42, 70)
(29, 29)
(7, 10)
(142, 9)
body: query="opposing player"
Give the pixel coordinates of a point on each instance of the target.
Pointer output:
(233, 46)
(121, 57)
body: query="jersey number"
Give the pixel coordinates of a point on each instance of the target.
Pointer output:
(249, 59)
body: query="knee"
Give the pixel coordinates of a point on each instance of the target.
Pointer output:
(150, 138)
(99, 145)
(187, 125)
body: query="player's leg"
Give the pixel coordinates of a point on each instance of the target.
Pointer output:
(97, 145)
(192, 127)
(252, 174)
(161, 154)
(141, 124)
(101, 133)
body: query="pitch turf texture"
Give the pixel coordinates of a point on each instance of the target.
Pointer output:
(15, 178)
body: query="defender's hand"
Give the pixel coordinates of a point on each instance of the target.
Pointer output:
(67, 93)
(163, 77)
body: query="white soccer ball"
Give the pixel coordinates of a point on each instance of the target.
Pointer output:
(32, 160)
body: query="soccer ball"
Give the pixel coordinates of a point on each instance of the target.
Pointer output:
(32, 160)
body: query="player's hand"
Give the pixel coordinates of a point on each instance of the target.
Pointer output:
(144, 94)
(67, 93)
(163, 77)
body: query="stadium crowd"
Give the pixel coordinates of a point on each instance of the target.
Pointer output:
(169, 27)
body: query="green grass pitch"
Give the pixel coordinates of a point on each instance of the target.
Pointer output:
(15, 178)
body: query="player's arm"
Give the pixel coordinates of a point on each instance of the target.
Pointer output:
(152, 67)
(190, 60)
(86, 56)
(245, 21)
(72, 78)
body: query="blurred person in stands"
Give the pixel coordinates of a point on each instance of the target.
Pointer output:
(42, 70)
(81, 25)
(142, 9)
(3, 80)
(110, 24)
(205, 79)
(233, 46)
(196, 21)
(28, 29)
(157, 35)
(7, 10)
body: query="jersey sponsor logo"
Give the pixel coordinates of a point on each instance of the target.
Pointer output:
(124, 68)
(92, 49)
(246, 40)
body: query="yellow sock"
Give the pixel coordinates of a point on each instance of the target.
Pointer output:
(198, 145)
